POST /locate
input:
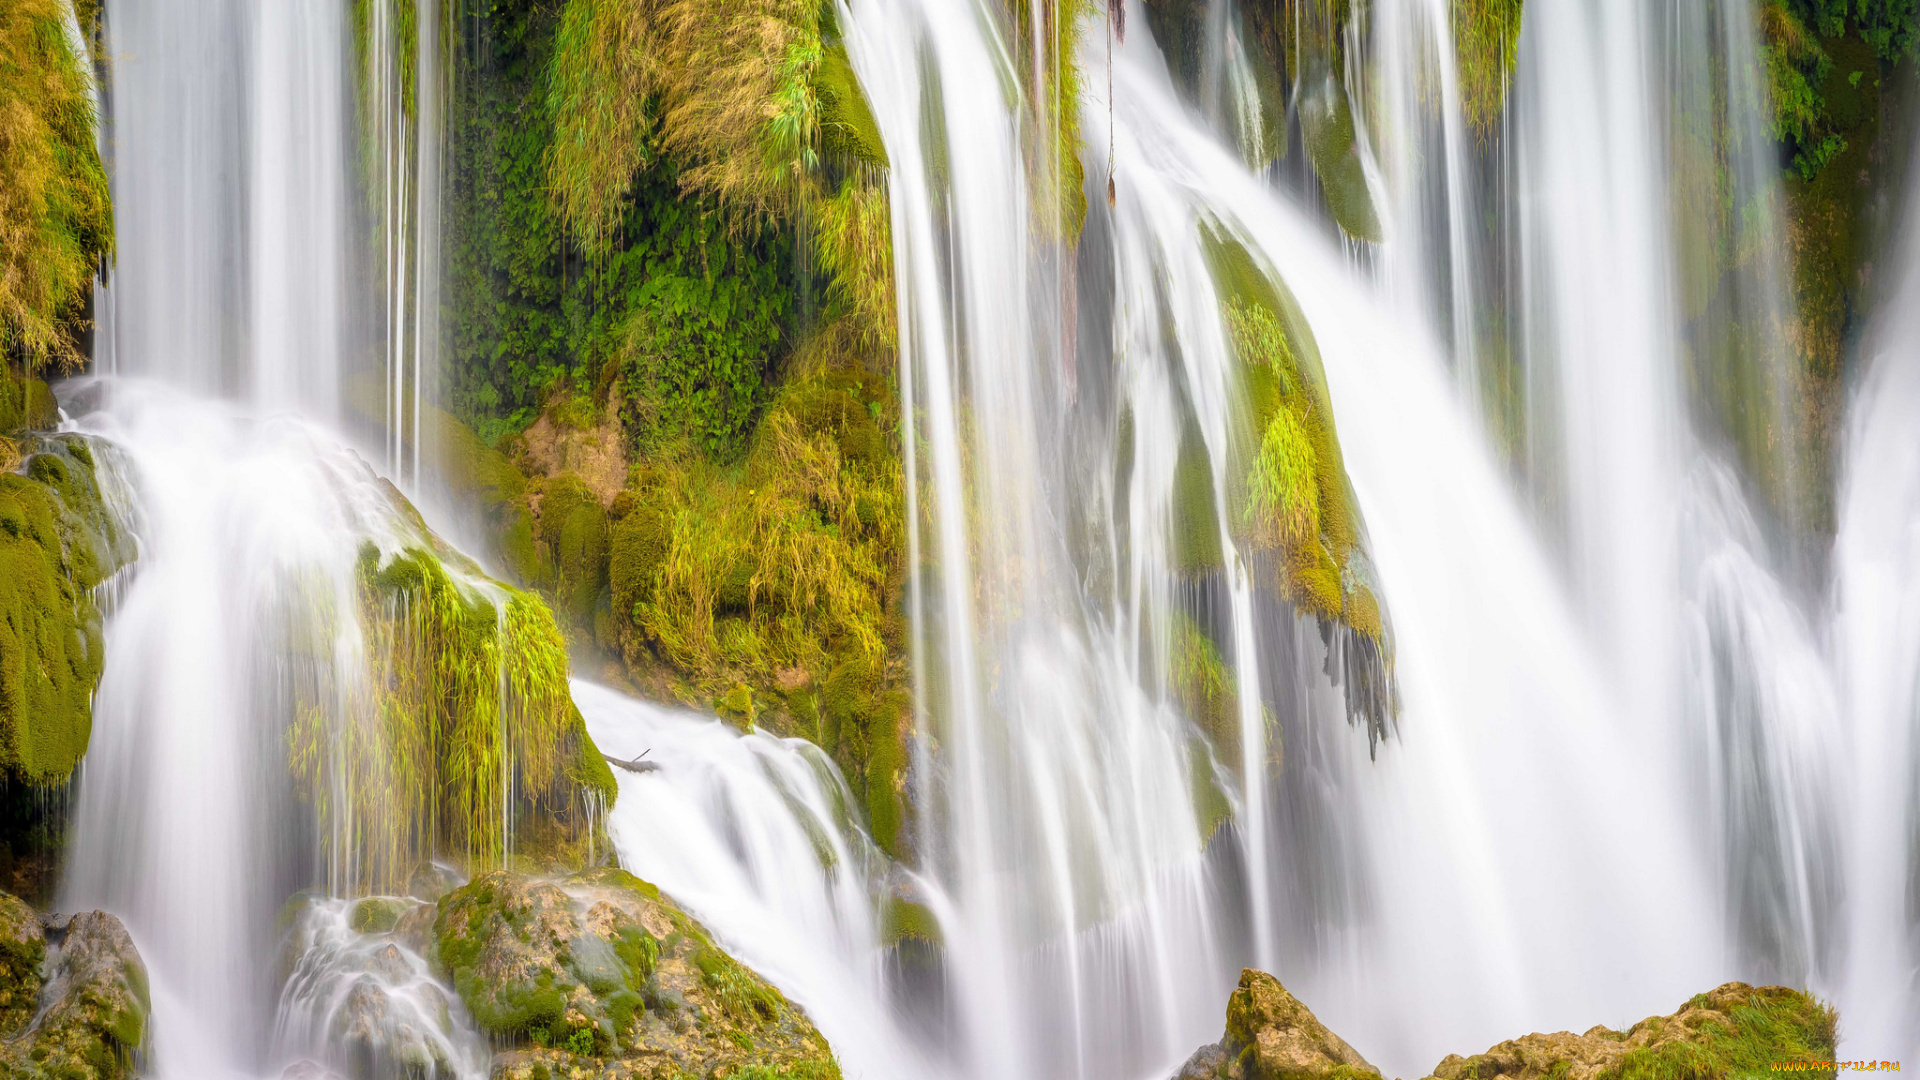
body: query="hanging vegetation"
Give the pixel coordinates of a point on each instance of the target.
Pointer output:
(1292, 506)
(56, 221)
(460, 725)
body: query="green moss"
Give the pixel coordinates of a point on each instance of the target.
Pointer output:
(1486, 36)
(1773, 1024)
(572, 532)
(1204, 686)
(1327, 130)
(771, 588)
(847, 127)
(57, 541)
(26, 404)
(468, 729)
(1292, 505)
(903, 920)
(22, 948)
(1196, 522)
(377, 914)
(55, 205)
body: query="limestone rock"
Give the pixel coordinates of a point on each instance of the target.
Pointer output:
(1731, 1030)
(22, 947)
(1272, 1036)
(599, 975)
(92, 1019)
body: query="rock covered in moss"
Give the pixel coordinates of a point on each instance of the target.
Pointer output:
(1732, 1030)
(600, 975)
(58, 540)
(91, 1023)
(22, 948)
(1272, 1036)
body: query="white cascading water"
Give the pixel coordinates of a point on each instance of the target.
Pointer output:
(230, 320)
(1613, 781)
(1877, 641)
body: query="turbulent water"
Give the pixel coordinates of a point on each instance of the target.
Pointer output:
(1642, 747)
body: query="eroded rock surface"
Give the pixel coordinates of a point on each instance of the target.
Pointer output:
(599, 975)
(1272, 1036)
(80, 1012)
(1731, 1030)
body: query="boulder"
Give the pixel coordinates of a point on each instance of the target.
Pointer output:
(599, 975)
(1272, 1036)
(1732, 1030)
(91, 994)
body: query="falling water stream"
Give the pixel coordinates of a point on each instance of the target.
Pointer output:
(1616, 774)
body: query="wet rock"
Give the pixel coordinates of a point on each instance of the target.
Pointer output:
(378, 914)
(430, 881)
(309, 1070)
(599, 975)
(1272, 1036)
(91, 1023)
(1732, 1030)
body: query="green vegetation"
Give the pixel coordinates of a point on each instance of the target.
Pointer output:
(56, 221)
(1826, 63)
(464, 724)
(1732, 1031)
(1758, 1027)
(1290, 503)
(601, 965)
(57, 541)
(771, 587)
(1486, 37)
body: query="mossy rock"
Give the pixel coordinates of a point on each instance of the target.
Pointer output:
(600, 972)
(94, 1024)
(1272, 1036)
(58, 540)
(377, 914)
(25, 404)
(572, 532)
(22, 948)
(1734, 1030)
(1327, 129)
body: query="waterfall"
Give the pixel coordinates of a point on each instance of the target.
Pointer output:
(1637, 750)
(1877, 616)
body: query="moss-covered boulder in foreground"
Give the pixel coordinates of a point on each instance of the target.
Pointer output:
(599, 975)
(1271, 1036)
(58, 540)
(79, 1012)
(1735, 1030)
(1732, 1030)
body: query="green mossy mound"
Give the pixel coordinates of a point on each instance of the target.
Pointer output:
(1291, 506)
(600, 975)
(464, 741)
(86, 1019)
(58, 540)
(1734, 1030)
